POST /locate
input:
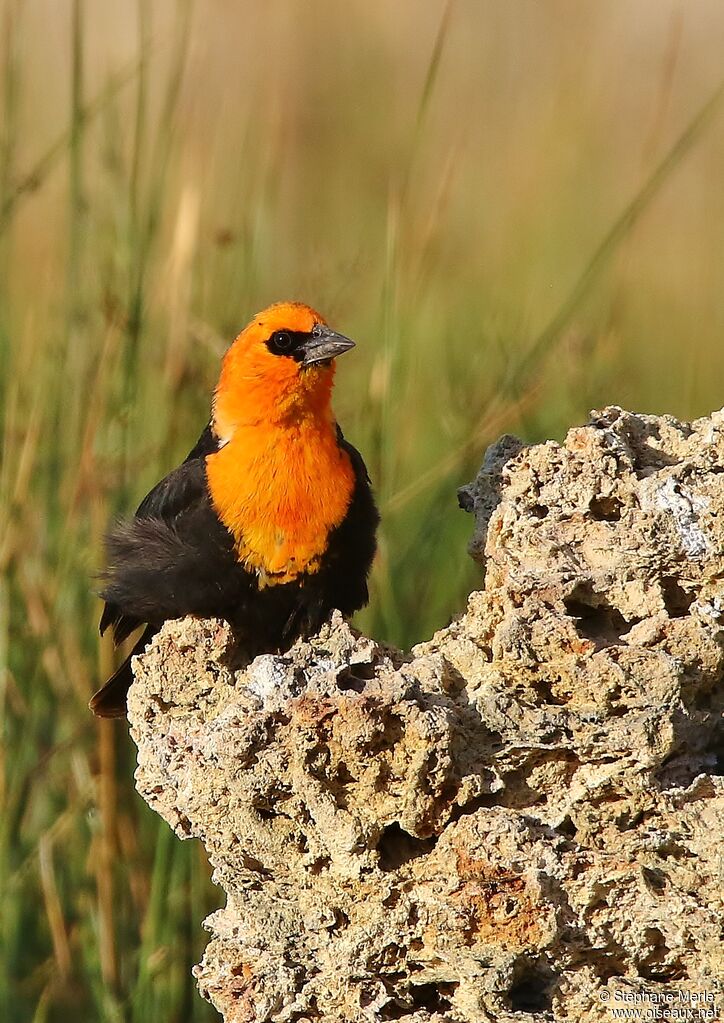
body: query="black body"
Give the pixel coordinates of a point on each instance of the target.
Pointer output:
(176, 558)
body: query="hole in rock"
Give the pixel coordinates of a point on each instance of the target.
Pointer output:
(394, 1010)
(626, 821)
(431, 997)
(311, 1012)
(265, 813)
(655, 966)
(473, 805)
(605, 508)
(366, 998)
(388, 736)
(597, 619)
(611, 965)
(354, 677)
(672, 848)
(567, 827)
(343, 774)
(256, 866)
(703, 700)
(655, 879)
(676, 600)
(466, 501)
(544, 687)
(531, 989)
(365, 670)
(661, 974)
(184, 824)
(397, 847)
(340, 783)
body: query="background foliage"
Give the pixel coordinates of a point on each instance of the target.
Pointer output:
(516, 208)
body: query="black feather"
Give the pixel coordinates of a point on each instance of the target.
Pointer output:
(110, 701)
(174, 494)
(176, 558)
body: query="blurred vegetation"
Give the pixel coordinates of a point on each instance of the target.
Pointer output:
(515, 208)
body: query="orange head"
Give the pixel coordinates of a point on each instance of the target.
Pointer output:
(279, 370)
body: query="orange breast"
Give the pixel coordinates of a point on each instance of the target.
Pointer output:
(280, 491)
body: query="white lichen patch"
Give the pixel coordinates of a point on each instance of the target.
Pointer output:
(672, 498)
(266, 675)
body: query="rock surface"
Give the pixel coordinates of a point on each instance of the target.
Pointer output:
(517, 821)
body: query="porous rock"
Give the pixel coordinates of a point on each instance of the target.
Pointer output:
(521, 819)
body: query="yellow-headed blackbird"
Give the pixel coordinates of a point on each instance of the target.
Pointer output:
(270, 521)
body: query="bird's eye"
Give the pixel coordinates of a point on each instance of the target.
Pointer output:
(282, 341)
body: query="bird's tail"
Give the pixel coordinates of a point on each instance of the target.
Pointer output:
(110, 700)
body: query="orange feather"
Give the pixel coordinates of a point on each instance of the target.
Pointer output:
(281, 482)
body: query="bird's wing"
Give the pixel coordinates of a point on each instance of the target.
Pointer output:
(353, 542)
(182, 486)
(360, 469)
(176, 493)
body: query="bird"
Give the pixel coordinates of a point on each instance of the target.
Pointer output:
(270, 522)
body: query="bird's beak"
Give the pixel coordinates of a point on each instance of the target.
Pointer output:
(324, 344)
